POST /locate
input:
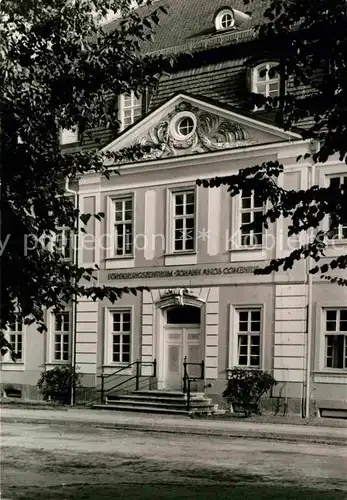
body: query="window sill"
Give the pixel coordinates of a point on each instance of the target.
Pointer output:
(254, 368)
(12, 366)
(182, 252)
(334, 247)
(52, 364)
(181, 258)
(69, 144)
(330, 376)
(262, 109)
(124, 262)
(338, 242)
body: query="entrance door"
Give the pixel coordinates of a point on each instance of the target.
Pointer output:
(182, 339)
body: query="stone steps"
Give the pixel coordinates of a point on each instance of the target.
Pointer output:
(166, 402)
(141, 409)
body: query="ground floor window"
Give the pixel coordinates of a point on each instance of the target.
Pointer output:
(121, 336)
(248, 337)
(62, 330)
(336, 338)
(15, 337)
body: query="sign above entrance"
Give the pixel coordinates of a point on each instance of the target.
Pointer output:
(179, 273)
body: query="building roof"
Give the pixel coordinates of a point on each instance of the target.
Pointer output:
(189, 24)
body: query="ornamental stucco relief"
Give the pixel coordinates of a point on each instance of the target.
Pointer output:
(211, 133)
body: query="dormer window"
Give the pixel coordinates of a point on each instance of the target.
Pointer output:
(265, 81)
(130, 109)
(225, 20)
(68, 136)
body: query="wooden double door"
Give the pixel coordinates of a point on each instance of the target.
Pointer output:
(181, 341)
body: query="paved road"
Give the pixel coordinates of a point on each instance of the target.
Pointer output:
(182, 424)
(55, 454)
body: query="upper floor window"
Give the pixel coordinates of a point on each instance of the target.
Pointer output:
(184, 221)
(15, 337)
(252, 209)
(63, 243)
(124, 226)
(130, 109)
(248, 337)
(121, 336)
(225, 20)
(339, 232)
(336, 338)
(265, 81)
(62, 332)
(68, 136)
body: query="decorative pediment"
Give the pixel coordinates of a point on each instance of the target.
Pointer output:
(186, 125)
(190, 130)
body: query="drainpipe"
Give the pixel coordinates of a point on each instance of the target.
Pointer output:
(309, 278)
(74, 302)
(309, 342)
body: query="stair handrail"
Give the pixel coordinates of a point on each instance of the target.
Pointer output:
(137, 375)
(187, 379)
(125, 367)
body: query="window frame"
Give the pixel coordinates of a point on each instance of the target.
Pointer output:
(108, 337)
(337, 332)
(123, 198)
(249, 334)
(72, 133)
(233, 358)
(173, 217)
(251, 210)
(122, 108)
(71, 238)
(6, 359)
(238, 253)
(255, 82)
(342, 227)
(122, 333)
(55, 332)
(174, 126)
(219, 19)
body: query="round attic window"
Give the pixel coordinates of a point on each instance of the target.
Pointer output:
(183, 125)
(225, 20)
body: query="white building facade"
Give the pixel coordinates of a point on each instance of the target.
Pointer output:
(182, 241)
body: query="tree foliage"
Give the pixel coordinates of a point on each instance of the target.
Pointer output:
(316, 67)
(59, 68)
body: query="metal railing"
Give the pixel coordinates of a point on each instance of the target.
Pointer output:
(187, 379)
(137, 375)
